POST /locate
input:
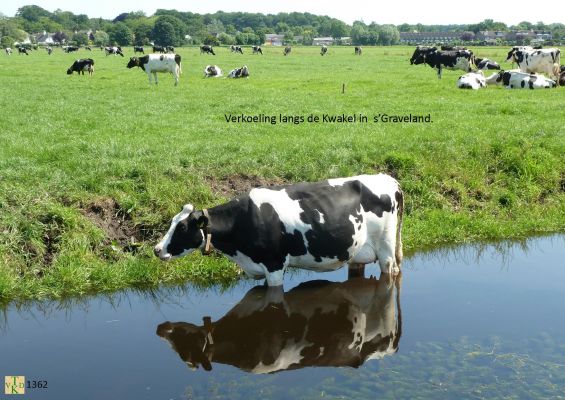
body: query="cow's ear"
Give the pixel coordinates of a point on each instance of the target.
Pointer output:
(202, 222)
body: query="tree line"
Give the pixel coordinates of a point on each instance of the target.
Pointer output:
(177, 28)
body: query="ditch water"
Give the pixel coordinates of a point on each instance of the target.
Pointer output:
(468, 323)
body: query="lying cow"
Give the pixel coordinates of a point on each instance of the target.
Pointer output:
(544, 61)
(207, 49)
(236, 49)
(287, 50)
(316, 324)
(318, 226)
(81, 65)
(153, 63)
(257, 50)
(212, 71)
(114, 50)
(8, 51)
(520, 80)
(323, 50)
(138, 49)
(358, 50)
(452, 60)
(485, 64)
(242, 72)
(472, 80)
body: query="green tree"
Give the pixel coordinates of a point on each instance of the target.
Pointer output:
(388, 35)
(163, 33)
(121, 34)
(80, 39)
(101, 38)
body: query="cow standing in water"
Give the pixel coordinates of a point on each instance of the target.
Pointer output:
(319, 226)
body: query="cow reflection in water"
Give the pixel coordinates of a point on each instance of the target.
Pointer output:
(318, 323)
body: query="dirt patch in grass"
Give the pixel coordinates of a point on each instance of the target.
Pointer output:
(234, 185)
(120, 230)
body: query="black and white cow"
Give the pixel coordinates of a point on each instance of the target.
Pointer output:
(451, 60)
(23, 50)
(169, 49)
(448, 47)
(138, 49)
(207, 49)
(70, 49)
(257, 50)
(236, 49)
(318, 226)
(242, 72)
(88, 48)
(81, 65)
(562, 79)
(472, 80)
(287, 50)
(520, 80)
(212, 71)
(485, 64)
(49, 50)
(316, 324)
(114, 50)
(153, 63)
(545, 61)
(358, 50)
(159, 49)
(323, 50)
(8, 51)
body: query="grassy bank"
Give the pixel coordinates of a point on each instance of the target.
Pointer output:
(93, 168)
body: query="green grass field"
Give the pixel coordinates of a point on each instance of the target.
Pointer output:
(93, 168)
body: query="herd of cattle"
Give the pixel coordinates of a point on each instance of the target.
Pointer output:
(531, 64)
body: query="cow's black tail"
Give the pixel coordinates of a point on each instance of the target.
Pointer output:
(400, 211)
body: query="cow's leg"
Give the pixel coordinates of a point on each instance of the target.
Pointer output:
(274, 278)
(155, 77)
(439, 72)
(386, 248)
(355, 270)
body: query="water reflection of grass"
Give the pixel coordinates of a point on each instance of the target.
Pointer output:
(464, 369)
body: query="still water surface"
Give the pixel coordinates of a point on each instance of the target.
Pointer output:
(468, 323)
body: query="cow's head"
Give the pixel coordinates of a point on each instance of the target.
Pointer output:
(513, 54)
(420, 54)
(191, 342)
(133, 62)
(70, 71)
(185, 235)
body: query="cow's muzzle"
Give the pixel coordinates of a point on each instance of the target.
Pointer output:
(158, 251)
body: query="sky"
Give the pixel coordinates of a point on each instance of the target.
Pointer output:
(427, 12)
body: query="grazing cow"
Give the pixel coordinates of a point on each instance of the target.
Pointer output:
(88, 48)
(8, 51)
(318, 226)
(49, 50)
(207, 49)
(452, 60)
(70, 49)
(472, 80)
(138, 49)
(236, 49)
(159, 49)
(81, 65)
(515, 79)
(358, 50)
(316, 324)
(114, 50)
(212, 71)
(323, 50)
(23, 50)
(485, 64)
(287, 50)
(530, 60)
(257, 49)
(242, 72)
(153, 63)
(169, 49)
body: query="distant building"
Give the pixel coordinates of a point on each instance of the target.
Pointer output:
(273, 39)
(319, 41)
(429, 37)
